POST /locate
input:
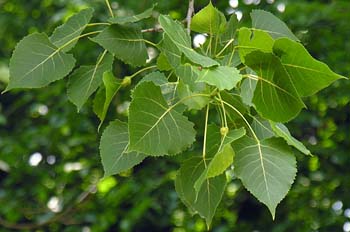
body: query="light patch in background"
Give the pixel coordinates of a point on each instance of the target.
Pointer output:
(70, 167)
(199, 40)
(152, 53)
(35, 159)
(270, 1)
(346, 227)
(281, 7)
(239, 15)
(256, 2)
(43, 110)
(233, 3)
(337, 206)
(248, 2)
(86, 229)
(54, 204)
(51, 159)
(347, 213)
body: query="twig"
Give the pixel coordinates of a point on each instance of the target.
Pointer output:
(190, 12)
(154, 29)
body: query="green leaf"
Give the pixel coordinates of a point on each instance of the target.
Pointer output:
(283, 132)
(170, 51)
(230, 29)
(86, 79)
(251, 40)
(132, 19)
(111, 86)
(267, 169)
(262, 128)
(307, 74)
(275, 97)
(159, 79)
(247, 91)
(157, 129)
(210, 193)
(125, 42)
(223, 157)
(234, 100)
(163, 63)
(222, 77)
(266, 21)
(71, 29)
(36, 62)
(208, 20)
(113, 149)
(197, 103)
(188, 74)
(182, 40)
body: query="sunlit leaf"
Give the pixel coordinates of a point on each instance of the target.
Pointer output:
(132, 19)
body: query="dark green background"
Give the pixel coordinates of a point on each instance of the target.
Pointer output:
(144, 199)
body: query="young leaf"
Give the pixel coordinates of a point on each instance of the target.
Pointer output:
(36, 62)
(230, 29)
(125, 43)
(157, 129)
(210, 193)
(113, 148)
(132, 19)
(208, 20)
(307, 74)
(222, 77)
(267, 169)
(182, 40)
(282, 131)
(251, 40)
(111, 87)
(74, 26)
(275, 97)
(266, 21)
(86, 79)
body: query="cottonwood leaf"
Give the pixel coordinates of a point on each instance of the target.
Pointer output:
(111, 86)
(222, 77)
(283, 132)
(307, 74)
(86, 79)
(113, 149)
(188, 74)
(222, 159)
(182, 40)
(210, 194)
(235, 100)
(251, 40)
(262, 128)
(36, 62)
(170, 51)
(159, 79)
(125, 42)
(71, 29)
(247, 91)
(230, 29)
(163, 63)
(275, 97)
(208, 20)
(268, 22)
(132, 19)
(266, 168)
(156, 128)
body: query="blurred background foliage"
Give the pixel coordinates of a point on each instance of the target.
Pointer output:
(49, 161)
